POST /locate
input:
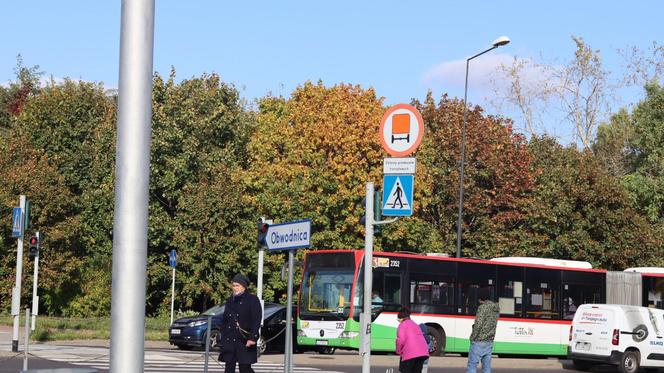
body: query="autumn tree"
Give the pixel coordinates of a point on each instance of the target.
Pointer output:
(498, 178)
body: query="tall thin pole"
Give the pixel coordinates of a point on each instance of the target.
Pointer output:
(463, 162)
(35, 281)
(130, 228)
(368, 260)
(288, 356)
(172, 294)
(16, 293)
(26, 339)
(463, 153)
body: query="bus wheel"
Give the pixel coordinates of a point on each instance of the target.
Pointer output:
(438, 338)
(630, 362)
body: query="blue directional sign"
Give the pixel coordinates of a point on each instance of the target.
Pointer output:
(17, 222)
(398, 195)
(173, 258)
(288, 236)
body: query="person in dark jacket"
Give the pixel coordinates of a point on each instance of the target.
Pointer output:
(240, 326)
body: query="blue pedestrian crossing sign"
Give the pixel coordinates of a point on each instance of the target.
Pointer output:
(398, 195)
(173, 258)
(17, 222)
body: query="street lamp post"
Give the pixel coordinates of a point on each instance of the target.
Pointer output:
(503, 40)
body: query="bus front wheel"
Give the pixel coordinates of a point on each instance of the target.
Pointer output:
(438, 339)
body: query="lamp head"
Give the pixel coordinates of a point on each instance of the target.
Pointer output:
(501, 41)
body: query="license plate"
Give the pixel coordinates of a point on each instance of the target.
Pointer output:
(321, 343)
(175, 331)
(583, 346)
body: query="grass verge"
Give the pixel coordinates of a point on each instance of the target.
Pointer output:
(67, 328)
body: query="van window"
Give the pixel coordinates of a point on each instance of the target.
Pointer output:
(542, 293)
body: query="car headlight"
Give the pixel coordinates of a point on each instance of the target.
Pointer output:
(197, 323)
(349, 334)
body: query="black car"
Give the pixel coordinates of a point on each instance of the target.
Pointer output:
(189, 332)
(273, 333)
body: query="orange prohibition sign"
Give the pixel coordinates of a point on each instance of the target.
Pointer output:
(401, 130)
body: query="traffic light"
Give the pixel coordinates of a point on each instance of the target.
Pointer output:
(33, 246)
(378, 211)
(263, 225)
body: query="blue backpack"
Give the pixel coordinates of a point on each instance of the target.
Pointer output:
(427, 336)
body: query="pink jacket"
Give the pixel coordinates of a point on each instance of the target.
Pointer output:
(410, 341)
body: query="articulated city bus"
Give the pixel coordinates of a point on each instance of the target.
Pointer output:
(537, 298)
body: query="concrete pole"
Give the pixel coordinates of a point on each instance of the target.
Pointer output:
(35, 280)
(26, 339)
(132, 176)
(172, 294)
(368, 261)
(288, 355)
(16, 293)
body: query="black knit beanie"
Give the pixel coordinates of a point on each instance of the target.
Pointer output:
(241, 279)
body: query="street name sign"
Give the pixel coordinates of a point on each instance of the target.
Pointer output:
(288, 236)
(401, 130)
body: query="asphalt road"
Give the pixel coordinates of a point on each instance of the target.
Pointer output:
(163, 358)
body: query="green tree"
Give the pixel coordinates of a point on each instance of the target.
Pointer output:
(580, 211)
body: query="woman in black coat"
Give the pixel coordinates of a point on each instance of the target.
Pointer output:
(240, 326)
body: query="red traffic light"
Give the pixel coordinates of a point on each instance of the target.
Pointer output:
(34, 241)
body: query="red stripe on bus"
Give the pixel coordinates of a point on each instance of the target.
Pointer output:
(465, 260)
(510, 319)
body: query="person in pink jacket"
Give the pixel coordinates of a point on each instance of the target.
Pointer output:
(411, 345)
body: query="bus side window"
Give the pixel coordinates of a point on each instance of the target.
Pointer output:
(542, 293)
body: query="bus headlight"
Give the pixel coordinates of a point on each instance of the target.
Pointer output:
(349, 334)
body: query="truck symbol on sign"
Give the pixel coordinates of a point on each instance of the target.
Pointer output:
(401, 126)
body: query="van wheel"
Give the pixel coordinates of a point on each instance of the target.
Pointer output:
(438, 340)
(630, 362)
(582, 365)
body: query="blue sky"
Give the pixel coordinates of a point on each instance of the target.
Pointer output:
(274, 46)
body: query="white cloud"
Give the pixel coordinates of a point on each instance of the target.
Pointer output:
(453, 73)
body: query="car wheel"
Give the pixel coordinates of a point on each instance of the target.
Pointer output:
(582, 365)
(261, 346)
(327, 350)
(438, 339)
(213, 339)
(630, 362)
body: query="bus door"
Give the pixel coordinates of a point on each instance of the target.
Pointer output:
(386, 300)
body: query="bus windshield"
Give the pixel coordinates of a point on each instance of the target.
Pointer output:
(326, 286)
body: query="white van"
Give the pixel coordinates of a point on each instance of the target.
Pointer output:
(627, 336)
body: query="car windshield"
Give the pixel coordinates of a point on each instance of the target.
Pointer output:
(214, 311)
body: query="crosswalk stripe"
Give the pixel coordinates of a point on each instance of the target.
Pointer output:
(197, 365)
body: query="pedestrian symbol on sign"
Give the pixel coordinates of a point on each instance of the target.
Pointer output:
(398, 195)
